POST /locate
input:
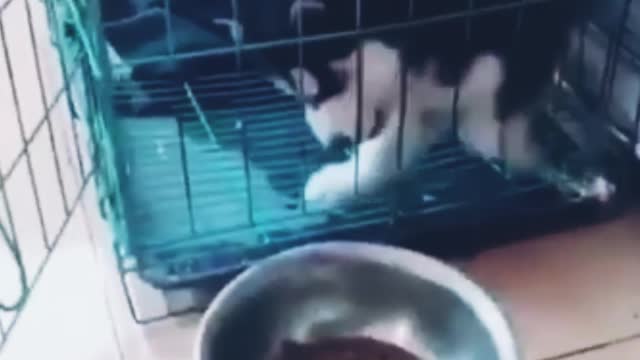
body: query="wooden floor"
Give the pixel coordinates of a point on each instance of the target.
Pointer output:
(571, 291)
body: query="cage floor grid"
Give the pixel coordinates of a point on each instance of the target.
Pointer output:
(193, 206)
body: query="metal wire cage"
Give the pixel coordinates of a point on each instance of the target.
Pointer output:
(192, 171)
(44, 163)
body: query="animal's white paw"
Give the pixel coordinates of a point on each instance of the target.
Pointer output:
(600, 189)
(331, 186)
(597, 188)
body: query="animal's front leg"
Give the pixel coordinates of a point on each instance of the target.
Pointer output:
(335, 184)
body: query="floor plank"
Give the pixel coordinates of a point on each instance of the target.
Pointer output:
(568, 291)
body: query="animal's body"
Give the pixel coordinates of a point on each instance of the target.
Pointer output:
(494, 68)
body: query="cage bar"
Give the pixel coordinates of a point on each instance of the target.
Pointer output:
(14, 250)
(16, 103)
(359, 100)
(608, 76)
(184, 160)
(236, 28)
(84, 39)
(66, 89)
(637, 128)
(171, 43)
(45, 106)
(456, 91)
(247, 171)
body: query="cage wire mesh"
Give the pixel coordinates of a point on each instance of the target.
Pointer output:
(197, 173)
(44, 165)
(200, 176)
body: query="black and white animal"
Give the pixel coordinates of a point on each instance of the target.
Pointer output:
(497, 68)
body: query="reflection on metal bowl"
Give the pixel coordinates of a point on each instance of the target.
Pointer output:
(344, 289)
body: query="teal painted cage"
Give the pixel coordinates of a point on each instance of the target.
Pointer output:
(186, 188)
(186, 170)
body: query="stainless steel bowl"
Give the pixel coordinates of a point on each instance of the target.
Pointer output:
(346, 289)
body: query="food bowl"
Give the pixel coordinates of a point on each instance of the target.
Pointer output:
(344, 289)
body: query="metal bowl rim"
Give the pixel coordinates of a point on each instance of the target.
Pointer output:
(428, 268)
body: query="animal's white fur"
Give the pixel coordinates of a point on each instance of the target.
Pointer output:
(428, 116)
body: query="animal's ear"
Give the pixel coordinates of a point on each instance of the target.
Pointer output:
(304, 84)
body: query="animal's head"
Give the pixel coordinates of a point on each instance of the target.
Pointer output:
(327, 80)
(334, 92)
